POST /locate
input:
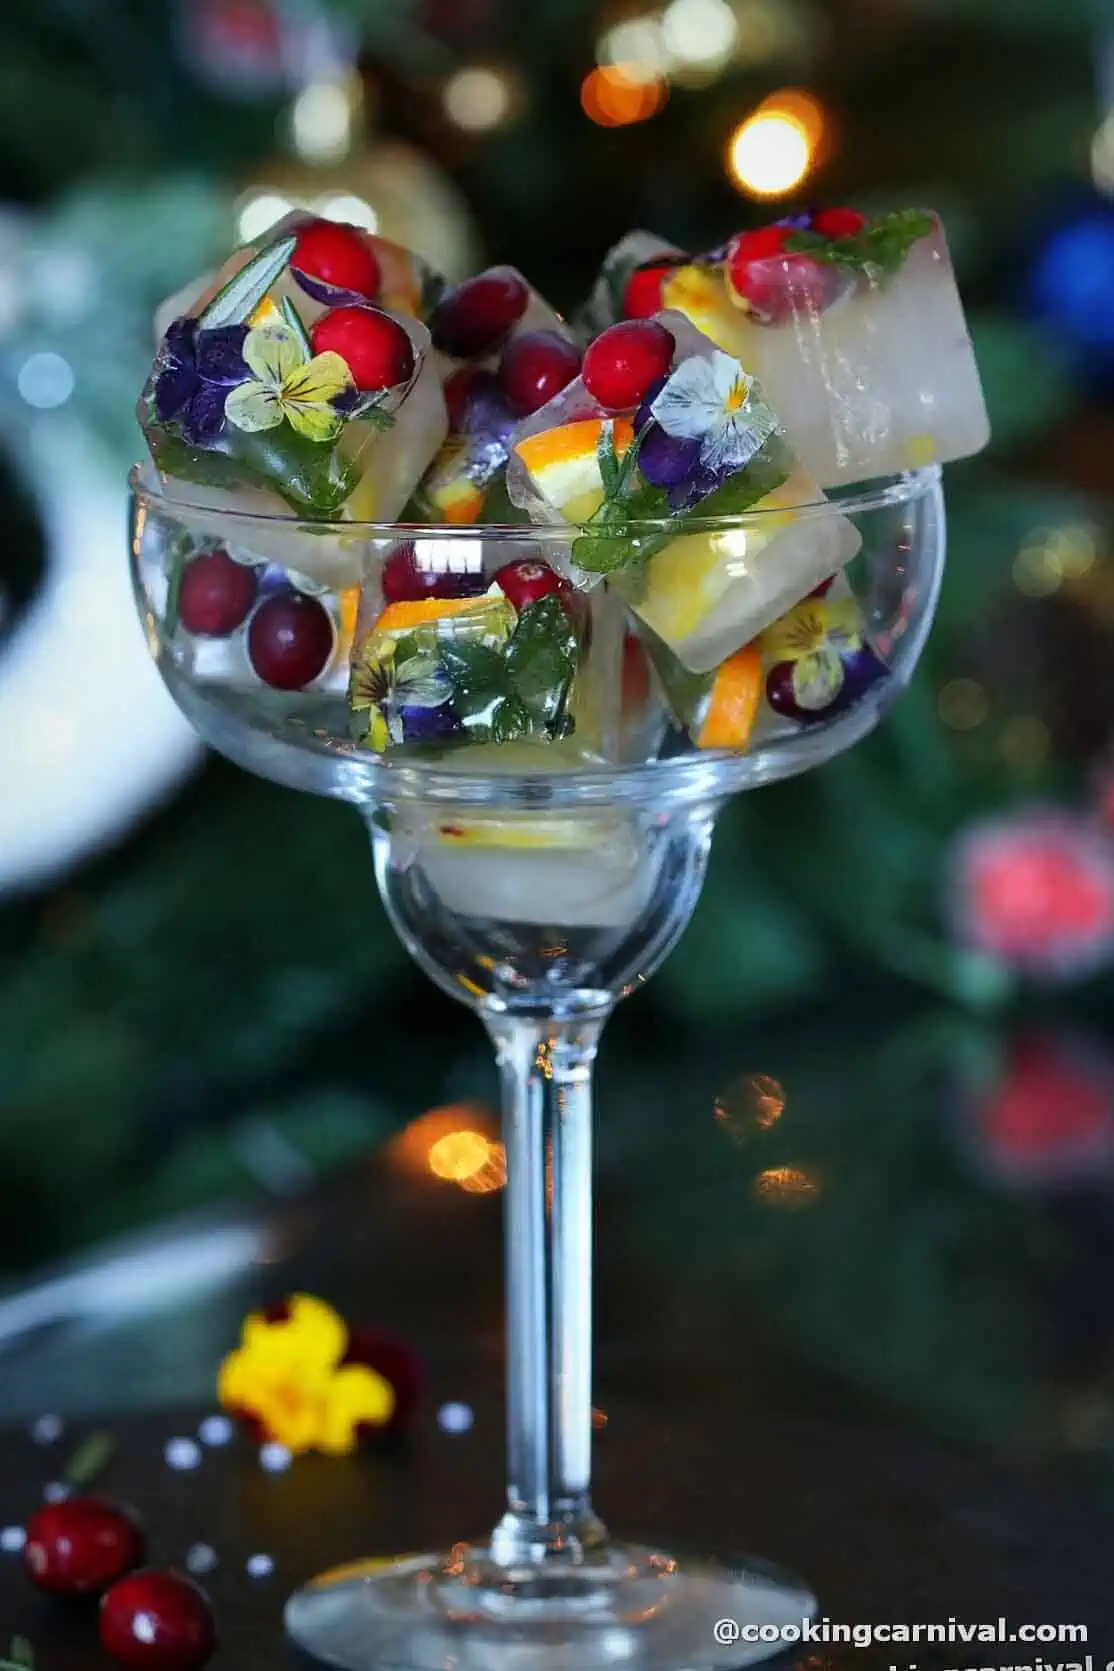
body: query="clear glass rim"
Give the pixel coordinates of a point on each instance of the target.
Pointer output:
(707, 777)
(857, 499)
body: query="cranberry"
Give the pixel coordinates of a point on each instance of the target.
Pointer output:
(536, 366)
(838, 223)
(528, 579)
(476, 316)
(625, 361)
(82, 1545)
(158, 1621)
(339, 255)
(457, 392)
(290, 640)
(642, 295)
(405, 580)
(216, 594)
(774, 284)
(374, 346)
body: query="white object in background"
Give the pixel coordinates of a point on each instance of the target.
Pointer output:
(89, 738)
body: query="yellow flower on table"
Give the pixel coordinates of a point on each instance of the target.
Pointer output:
(288, 1375)
(287, 383)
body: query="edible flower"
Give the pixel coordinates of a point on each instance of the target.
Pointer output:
(196, 370)
(289, 1381)
(288, 383)
(815, 638)
(382, 686)
(713, 401)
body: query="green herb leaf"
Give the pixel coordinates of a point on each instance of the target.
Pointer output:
(370, 408)
(247, 288)
(294, 320)
(608, 460)
(478, 675)
(541, 657)
(880, 247)
(91, 1458)
(511, 720)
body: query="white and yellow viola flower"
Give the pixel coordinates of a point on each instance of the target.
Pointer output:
(288, 384)
(713, 401)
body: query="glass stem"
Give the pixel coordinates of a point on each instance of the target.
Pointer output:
(546, 1068)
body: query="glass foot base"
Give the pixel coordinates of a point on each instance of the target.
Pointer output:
(626, 1607)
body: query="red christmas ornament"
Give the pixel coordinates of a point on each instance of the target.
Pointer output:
(337, 254)
(625, 361)
(375, 348)
(1037, 891)
(81, 1546)
(1049, 1118)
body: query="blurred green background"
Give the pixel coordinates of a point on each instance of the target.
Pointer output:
(200, 997)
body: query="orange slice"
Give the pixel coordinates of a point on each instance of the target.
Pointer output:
(563, 463)
(404, 617)
(733, 704)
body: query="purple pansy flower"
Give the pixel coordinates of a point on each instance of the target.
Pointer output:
(198, 369)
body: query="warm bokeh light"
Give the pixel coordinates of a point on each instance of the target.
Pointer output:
(458, 1155)
(962, 704)
(1051, 555)
(785, 1186)
(456, 1143)
(772, 151)
(615, 95)
(1024, 742)
(322, 119)
(259, 211)
(701, 33)
(478, 98)
(638, 45)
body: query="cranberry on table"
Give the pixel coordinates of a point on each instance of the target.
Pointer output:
(476, 316)
(838, 223)
(290, 640)
(81, 1546)
(376, 349)
(216, 594)
(642, 295)
(528, 580)
(158, 1621)
(337, 254)
(536, 366)
(624, 362)
(405, 580)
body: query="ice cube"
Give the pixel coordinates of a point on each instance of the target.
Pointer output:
(618, 294)
(452, 672)
(863, 353)
(473, 321)
(264, 401)
(567, 869)
(706, 446)
(503, 352)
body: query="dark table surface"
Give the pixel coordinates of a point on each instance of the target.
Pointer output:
(778, 1397)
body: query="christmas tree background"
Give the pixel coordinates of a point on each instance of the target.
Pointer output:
(214, 1005)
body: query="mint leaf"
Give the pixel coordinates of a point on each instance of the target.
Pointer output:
(511, 720)
(478, 676)
(247, 288)
(540, 658)
(370, 409)
(91, 1458)
(881, 246)
(608, 461)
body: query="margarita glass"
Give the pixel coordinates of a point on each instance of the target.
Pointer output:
(539, 882)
